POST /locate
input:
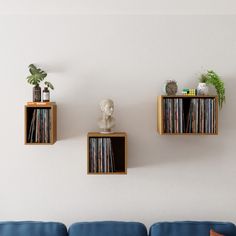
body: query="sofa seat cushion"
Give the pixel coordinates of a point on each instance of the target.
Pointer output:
(32, 228)
(187, 228)
(108, 228)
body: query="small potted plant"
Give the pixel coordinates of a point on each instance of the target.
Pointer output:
(36, 76)
(202, 88)
(211, 78)
(46, 92)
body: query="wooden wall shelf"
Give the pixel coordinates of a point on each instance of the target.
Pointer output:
(107, 153)
(40, 123)
(187, 115)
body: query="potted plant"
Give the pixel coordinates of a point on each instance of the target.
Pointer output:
(36, 76)
(202, 88)
(211, 78)
(46, 92)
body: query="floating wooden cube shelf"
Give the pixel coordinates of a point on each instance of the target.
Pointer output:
(187, 115)
(40, 123)
(107, 153)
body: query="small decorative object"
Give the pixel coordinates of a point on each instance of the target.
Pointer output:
(212, 78)
(37, 93)
(202, 89)
(106, 122)
(189, 92)
(46, 92)
(37, 75)
(171, 87)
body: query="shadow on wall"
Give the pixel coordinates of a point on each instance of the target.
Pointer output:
(76, 112)
(74, 120)
(228, 113)
(68, 121)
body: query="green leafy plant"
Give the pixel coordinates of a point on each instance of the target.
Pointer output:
(212, 78)
(36, 75)
(49, 85)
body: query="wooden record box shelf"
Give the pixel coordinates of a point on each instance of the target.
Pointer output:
(107, 153)
(40, 123)
(187, 115)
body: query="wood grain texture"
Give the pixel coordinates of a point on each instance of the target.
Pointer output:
(160, 127)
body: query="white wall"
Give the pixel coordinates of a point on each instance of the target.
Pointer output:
(126, 58)
(118, 7)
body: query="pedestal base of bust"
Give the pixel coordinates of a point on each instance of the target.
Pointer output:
(106, 131)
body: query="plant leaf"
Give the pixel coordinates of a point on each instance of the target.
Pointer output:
(49, 85)
(37, 75)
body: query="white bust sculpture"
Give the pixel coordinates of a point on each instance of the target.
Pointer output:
(106, 122)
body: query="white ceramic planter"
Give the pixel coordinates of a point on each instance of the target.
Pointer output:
(202, 89)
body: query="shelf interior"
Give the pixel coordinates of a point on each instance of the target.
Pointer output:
(118, 153)
(31, 124)
(196, 115)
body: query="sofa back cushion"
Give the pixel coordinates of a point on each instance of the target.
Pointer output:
(187, 228)
(108, 228)
(31, 228)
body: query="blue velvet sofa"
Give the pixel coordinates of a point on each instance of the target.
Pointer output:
(192, 228)
(108, 228)
(30, 228)
(113, 228)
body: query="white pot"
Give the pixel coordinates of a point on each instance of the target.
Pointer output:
(202, 89)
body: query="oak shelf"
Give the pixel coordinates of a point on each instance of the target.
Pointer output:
(164, 115)
(107, 153)
(46, 113)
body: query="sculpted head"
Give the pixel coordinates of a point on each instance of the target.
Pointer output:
(107, 107)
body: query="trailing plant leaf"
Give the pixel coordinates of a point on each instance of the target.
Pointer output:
(49, 85)
(212, 78)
